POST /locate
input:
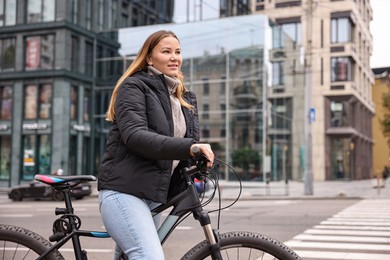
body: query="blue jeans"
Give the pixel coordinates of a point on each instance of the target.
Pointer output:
(129, 222)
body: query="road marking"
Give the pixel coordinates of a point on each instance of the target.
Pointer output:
(348, 232)
(359, 232)
(340, 255)
(184, 228)
(364, 239)
(340, 246)
(352, 227)
(16, 215)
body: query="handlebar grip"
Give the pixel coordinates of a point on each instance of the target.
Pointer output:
(196, 151)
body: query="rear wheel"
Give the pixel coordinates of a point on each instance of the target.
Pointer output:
(57, 196)
(244, 245)
(16, 195)
(21, 243)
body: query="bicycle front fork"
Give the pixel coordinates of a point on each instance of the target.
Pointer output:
(212, 235)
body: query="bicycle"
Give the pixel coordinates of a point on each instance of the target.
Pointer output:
(21, 243)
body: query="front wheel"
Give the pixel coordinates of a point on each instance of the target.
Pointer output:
(21, 243)
(242, 246)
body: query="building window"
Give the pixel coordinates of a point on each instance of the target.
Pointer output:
(74, 96)
(222, 132)
(7, 54)
(5, 157)
(286, 33)
(88, 14)
(100, 63)
(86, 105)
(205, 112)
(75, 11)
(206, 87)
(124, 20)
(39, 52)
(7, 12)
(277, 73)
(338, 114)
(222, 107)
(100, 15)
(40, 11)
(36, 159)
(341, 69)
(205, 133)
(341, 30)
(222, 85)
(88, 58)
(37, 101)
(6, 102)
(75, 54)
(112, 14)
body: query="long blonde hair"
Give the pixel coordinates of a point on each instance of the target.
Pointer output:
(140, 64)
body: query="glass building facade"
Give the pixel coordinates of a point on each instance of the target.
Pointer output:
(226, 63)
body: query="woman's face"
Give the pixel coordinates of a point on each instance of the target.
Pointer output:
(166, 56)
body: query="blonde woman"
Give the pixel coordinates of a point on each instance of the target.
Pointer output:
(154, 125)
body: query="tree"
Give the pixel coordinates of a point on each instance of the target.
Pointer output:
(385, 122)
(244, 158)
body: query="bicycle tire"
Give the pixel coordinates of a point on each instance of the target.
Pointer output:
(244, 245)
(21, 243)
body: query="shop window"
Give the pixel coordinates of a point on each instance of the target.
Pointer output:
(7, 54)
(5, 157)
(40, 11)
(37, 101)
(39, 52)
(6, 102)
(36, 155)
(7, 12)
(341, 69)
(342, 158)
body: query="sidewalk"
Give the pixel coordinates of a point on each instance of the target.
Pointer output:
(364, 189)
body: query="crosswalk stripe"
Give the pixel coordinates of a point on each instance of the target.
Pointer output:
(340, 255)
(339, 222)
(363, 239)
(339, 246)
(359, 232)
(348, 232)
(352, 227)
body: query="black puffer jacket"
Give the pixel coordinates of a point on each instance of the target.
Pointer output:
(140, 145)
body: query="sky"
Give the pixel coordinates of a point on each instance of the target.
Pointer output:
(380, 33)
(379, 26)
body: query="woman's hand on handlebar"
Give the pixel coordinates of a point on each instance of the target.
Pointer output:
(205, 149)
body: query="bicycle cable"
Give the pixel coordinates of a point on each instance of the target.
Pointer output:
(216, 188)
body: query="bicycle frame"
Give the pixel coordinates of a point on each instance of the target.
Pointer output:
(183, 203)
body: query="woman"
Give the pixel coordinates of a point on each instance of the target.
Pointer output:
(154, 125)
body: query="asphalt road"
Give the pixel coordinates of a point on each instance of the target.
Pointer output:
(280, 219)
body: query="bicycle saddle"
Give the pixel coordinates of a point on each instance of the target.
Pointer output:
(55, 179)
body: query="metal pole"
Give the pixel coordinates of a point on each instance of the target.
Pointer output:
(308, 103)
(227, 112)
